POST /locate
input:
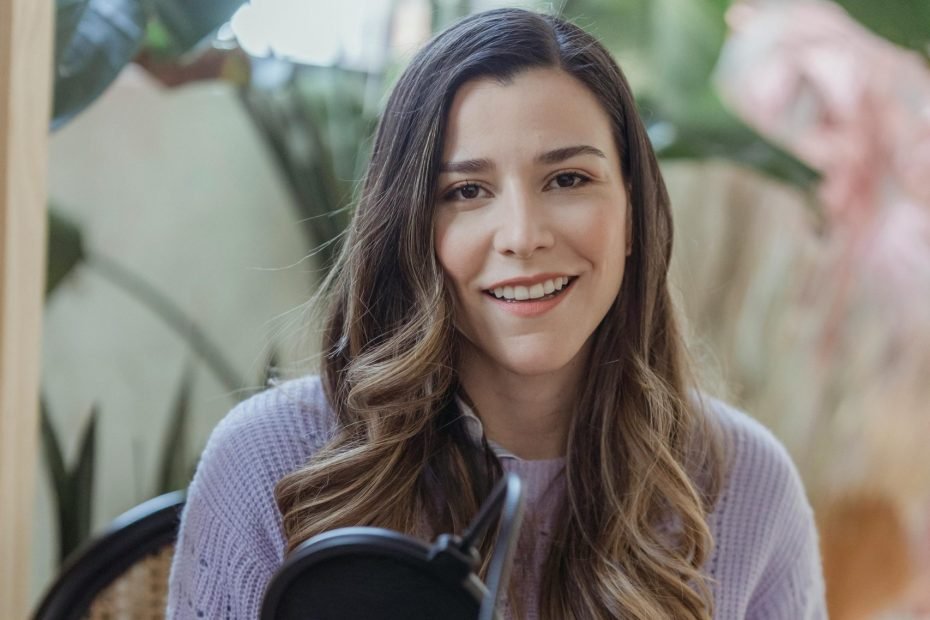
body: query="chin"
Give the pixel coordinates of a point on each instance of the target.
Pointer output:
(536, 361)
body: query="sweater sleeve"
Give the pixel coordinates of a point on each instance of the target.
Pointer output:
(231, 539)
(776, 531)
(766, 559)
(215, 572)
(791, 585)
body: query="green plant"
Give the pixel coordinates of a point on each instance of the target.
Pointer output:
(72, 486)
(176, 467)
(904, 22)
(95, 39)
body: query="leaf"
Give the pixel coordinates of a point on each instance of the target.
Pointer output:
(187, 23)
(736, 143)
(711, 131)
(686, 39)
(173, 468)
(58, 474)
(903, 22)
(72, 488)
(677, 53)
(65, 249)
(82, 481)
(94, 40)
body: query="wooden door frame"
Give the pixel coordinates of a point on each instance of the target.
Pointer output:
(26, 49)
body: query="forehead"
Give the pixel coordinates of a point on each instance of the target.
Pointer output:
(538, 109)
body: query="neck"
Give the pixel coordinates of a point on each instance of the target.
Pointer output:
(529, 415)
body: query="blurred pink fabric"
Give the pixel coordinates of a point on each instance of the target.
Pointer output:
(857, 109)
(854, 107)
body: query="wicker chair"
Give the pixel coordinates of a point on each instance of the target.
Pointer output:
(123, 573)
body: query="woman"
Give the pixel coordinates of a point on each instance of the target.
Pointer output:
(500, 305)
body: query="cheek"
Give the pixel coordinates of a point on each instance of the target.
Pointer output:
(603, 238)
(454, 251)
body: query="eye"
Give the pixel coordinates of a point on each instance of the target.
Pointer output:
(567, 180)
(466, 191)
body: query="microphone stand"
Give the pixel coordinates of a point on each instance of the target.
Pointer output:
(505, 499)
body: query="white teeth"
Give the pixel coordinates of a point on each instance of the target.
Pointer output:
(522, 293)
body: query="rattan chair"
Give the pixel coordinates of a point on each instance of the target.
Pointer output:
(123, 573)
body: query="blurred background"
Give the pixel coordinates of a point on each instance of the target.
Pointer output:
(203, 162)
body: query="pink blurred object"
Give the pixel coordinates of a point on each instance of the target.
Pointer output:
(857, 109)
(854, 107)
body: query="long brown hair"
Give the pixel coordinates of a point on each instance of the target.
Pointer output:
(643, 462)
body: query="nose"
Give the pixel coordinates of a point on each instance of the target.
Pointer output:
(522, 225)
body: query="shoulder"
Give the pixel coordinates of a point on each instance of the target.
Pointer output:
(289, 418)
(766, 543)
(231, 538)
(753, 454)
(761, 482)
(275, 430)
(258, 442)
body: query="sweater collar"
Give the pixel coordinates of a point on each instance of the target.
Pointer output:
(475, 430)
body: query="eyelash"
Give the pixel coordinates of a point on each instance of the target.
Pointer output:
(583, 179)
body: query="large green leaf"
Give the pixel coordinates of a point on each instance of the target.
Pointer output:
(94, 40)
(174, 466)
(58, 473)
(188, 22)
(72, 488)
(715, 133)
(65, 249)
(82, 482)
(905, 22)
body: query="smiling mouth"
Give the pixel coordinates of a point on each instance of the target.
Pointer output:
(538, 292)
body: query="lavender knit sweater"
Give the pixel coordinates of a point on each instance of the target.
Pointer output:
(765, 564)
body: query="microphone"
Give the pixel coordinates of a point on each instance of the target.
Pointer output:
(369, 573)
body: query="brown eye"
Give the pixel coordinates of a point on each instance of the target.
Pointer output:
(469, 191)
(568, 180)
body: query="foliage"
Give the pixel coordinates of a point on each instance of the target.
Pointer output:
(316, 129)
(73, 486)
(672, 47)
(66, 249)
(95, 39)
(904, 22)
(175, 471)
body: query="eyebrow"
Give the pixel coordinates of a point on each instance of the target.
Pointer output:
(554, 156)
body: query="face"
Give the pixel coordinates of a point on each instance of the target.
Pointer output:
(531, 219)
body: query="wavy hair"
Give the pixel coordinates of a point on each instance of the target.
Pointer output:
(644, 460)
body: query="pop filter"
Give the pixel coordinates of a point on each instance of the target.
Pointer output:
(368, 573)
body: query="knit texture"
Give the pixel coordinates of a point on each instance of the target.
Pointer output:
(765, 564)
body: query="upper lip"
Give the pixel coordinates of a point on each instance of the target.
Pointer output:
(528, 281)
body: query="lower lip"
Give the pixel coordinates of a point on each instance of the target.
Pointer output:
(533, 307)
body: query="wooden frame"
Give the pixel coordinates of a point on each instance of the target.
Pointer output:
(26, 49)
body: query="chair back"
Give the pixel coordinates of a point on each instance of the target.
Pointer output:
(122, 573)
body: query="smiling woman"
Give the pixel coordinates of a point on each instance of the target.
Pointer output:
(501, 305)
(547, 205)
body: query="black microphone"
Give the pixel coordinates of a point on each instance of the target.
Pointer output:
(369, 573)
